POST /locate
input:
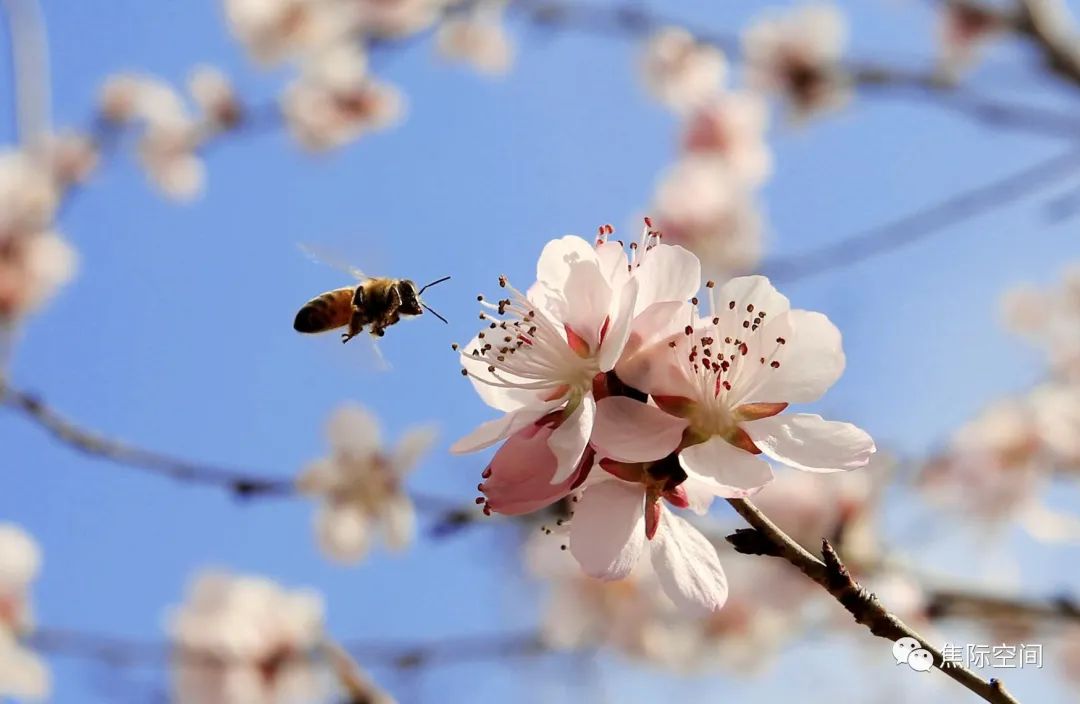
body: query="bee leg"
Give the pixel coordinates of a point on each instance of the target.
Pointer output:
(346, 336)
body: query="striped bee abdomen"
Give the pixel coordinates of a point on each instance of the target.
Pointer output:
(326, 312)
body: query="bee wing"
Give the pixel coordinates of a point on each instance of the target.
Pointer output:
(381, 365)
(320, 256)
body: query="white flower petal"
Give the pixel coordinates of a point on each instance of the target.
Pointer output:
(490, 432)
(613, 264)
(631, 431)
(413, 445)
(607, 531)
(618, 332)
(553, 267)
(699, 493)
(343, 532)
(806, 441)
(23, 674)
(398, 522)
(354, 430)
(810, 362)
(647, 362)
(500, 394)
(728, 471)
(667, 273)
(586, 302)
(568, 441)
(687, 565)
(744, 291)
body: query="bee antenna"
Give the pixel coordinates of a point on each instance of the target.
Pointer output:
(437, 281)
(432, 311)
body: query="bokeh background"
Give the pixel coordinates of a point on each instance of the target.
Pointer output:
(176, 333)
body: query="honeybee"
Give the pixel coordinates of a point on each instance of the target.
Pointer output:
(377, 302)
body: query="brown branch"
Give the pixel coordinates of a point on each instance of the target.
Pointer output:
(1048, 24)
(93, 444)
(916, 226)
(956, 603)
(242, 484)
(127, 652)
(831, 574)
(629, 21)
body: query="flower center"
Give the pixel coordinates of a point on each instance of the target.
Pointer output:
(525, 349)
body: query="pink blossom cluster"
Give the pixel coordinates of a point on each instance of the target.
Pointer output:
(706, 201)
(626, 393)
(997, 466)
(335, 98)
(35, 260)
(22, 674)
(173, 127)
(246, 640)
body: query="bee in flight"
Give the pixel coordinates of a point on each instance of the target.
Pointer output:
(377, 302)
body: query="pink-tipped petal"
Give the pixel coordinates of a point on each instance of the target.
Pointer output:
(518, 479)
(607, 531)
(618, 331)
(631, 431)
(806, 441)
(569, 439)
(493, 431)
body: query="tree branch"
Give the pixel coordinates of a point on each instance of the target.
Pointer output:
(242, 484)
(916, 226)
(129, 652)
(831, 574)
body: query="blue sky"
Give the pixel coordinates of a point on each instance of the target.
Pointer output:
(177, 336)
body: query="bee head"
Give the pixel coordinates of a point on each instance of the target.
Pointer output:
(410, 297)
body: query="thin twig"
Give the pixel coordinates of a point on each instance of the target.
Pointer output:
(925, 222)
(96, 445)
(831, 574)
(956, 603)
(243, 484)
(130, 652)
(634, 22)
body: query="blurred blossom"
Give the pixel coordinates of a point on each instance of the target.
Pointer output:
(796, 54)
(963, 29)
(991, 469)
(22, 673)
(702, 204)
(275, 30)
(681, 72)
(635, 618)
(167, 152)
(732, 126)
(245, 640)
(171, 135)
(1050, 319)
(362, 485)
(34, 261)
(810, 507)
(1069, 658)
(393, 18)
(477, 38)
(334, 100)
(20, 561)
(213, 92)
(68, 157)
